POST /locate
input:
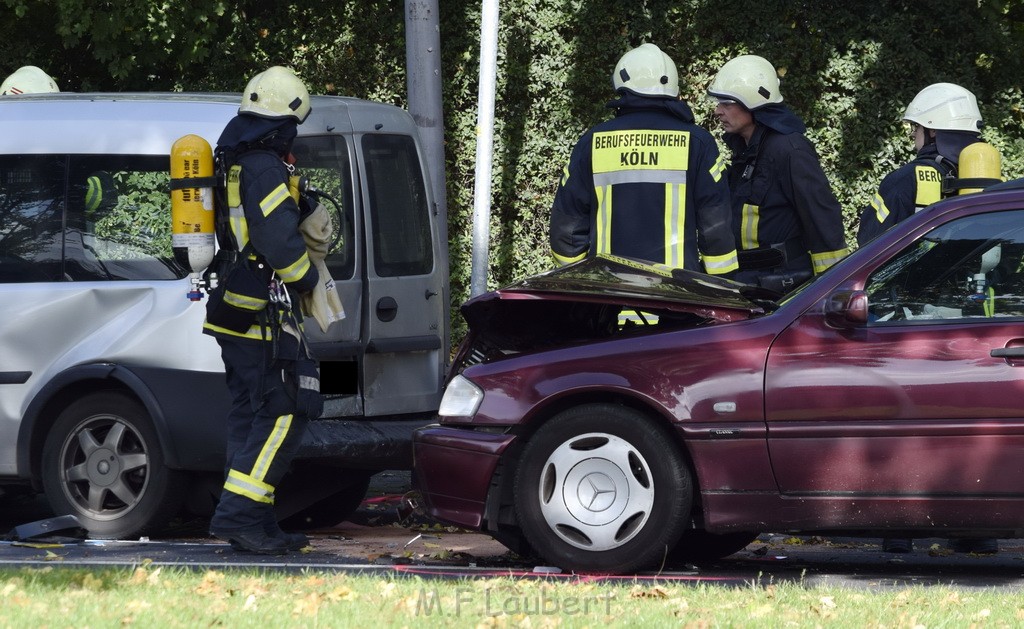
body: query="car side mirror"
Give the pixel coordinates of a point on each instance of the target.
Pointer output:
(847, 309)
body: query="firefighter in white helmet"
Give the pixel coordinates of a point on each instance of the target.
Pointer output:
(944, 119)
(253, 313)
(28, 80)
(788, 223)
(648, 183)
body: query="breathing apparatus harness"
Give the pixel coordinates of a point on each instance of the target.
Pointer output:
(245, 273)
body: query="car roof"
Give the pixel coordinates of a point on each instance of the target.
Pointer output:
(147, 123)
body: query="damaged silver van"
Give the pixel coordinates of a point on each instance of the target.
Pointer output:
(112, 401)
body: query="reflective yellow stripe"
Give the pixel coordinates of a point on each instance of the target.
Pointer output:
(675, 225)
(825, 259)
(274, 199)
(563, 260)
(244, 301)
(717, 265)
(255, 332)
(637, 317)
(271, 446)
(234, 177)
(881, 210)
(565, 175)
(295, 271)
(718, 168)
(604, 219)
(929, 185)
(252, 488)
(748, 226)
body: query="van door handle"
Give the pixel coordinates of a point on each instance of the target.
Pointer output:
(387, 309)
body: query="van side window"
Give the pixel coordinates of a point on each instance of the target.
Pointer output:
(398, 206)
(325, 161)
(31, 216)
(119, 219)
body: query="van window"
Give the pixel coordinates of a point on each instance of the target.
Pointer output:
(325, 161)
(31, 217)
(85, 218)
(398, 206)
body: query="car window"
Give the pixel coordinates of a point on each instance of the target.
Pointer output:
(325, 161)
(969, 268)
(398, 206)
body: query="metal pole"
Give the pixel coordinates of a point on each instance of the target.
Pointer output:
(484, 146)
(423, 78)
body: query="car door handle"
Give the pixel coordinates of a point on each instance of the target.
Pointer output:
(1007, 352)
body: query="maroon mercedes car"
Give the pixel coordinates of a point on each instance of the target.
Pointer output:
(884, 397)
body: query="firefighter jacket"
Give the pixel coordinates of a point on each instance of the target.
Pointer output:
(647, 184)
(780, 195)
(913, 186)
(264, 227)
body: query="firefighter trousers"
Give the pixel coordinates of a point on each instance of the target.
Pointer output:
(264, 432)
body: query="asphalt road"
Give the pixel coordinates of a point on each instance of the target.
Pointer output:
(377, 541)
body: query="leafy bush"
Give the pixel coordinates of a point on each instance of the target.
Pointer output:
(849, 68)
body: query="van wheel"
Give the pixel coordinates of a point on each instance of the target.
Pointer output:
(102, 463)
(602, 488)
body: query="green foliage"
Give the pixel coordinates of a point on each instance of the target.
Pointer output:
(849, 68)
(141, 220)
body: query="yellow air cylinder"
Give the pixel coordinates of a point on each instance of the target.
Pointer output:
(980, 160)
(192, 224)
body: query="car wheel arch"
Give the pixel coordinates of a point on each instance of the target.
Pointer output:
(62, 391)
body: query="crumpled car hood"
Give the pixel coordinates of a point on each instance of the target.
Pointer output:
(582, 301)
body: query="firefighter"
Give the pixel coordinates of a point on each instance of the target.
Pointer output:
(787, 222)
(944, 119)
(264, 269)
(648, 183)
(28, 80)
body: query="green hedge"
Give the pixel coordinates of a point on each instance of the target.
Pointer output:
(848, 68)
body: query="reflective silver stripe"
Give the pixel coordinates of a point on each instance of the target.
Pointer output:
(718, 168)
(296, 270)
(239, 227)
(674, 229)
(881, 210)
(274, 199)
(721, 264)
(309, 382)
(604, 219)
(270, 447)
(640, 176)
(245, 485)
(244, 301)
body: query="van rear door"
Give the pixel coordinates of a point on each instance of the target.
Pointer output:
(405, 310)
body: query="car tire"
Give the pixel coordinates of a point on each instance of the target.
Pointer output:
(332, 510)
(102, 463)
(698, 546)
(602, 488)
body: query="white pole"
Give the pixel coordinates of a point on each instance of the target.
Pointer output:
(484, 146)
